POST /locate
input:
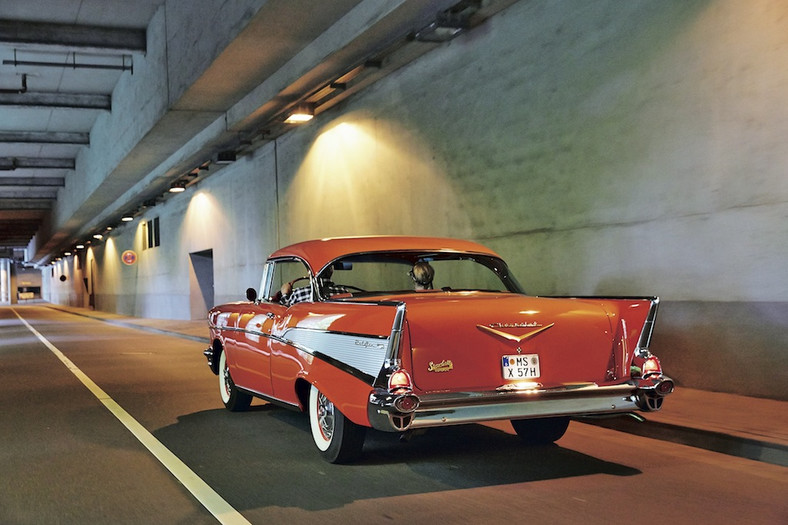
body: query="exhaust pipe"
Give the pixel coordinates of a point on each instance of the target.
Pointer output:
(648, 402)
(392, 412)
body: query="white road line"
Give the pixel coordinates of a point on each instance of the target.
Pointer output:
(212, 501)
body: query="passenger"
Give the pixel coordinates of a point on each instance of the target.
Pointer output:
(422, 274)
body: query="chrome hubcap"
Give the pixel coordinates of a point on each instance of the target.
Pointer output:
(325, 416)
(226, 381)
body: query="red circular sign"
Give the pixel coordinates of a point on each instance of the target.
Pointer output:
(129, 257)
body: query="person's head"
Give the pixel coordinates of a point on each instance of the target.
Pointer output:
(422, 274)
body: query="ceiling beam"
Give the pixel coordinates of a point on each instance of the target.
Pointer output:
(8, 204)
(57, 100)
(15, 215)
(44, 137)
(15, 243)
(32, 181)
(13, 163)
(23, 229)
(34, 194)
(67, 38)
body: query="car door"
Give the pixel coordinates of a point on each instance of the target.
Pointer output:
(252, 324)
(252, 357)
(285, 361)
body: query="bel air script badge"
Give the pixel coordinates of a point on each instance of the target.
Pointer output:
(444, 366)
(368, 344)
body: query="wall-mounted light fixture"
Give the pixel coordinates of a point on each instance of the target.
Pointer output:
(450, 23)
(225, 157)
(437, 33)
(300, 114)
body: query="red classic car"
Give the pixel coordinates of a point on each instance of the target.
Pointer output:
(402, 333)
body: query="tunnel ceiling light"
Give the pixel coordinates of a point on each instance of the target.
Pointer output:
(80, 246)
(98, 236)
(301, 113)
(127, 218)
(178, 187)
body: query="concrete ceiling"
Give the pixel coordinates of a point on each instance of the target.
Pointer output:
(47, 111)
(61, 60)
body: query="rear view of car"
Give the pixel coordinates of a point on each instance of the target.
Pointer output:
(401, 333)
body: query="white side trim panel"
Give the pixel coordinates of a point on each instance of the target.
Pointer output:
(366, 354)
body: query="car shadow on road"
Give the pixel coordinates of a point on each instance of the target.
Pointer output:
(265, 457)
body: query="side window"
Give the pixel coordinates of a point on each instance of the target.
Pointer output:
(286, 271)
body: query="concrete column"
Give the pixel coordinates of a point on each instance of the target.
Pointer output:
(5, 281)
(12, 282)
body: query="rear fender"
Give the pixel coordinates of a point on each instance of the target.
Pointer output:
(634, 321)
(348, 393)
(325, 349)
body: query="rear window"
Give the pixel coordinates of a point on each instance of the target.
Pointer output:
(392, 272)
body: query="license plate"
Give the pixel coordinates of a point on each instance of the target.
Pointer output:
(524, 366)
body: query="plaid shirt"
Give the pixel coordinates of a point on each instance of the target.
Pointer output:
(304, 293)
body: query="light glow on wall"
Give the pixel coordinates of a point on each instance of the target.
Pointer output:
(365, 175)
(108, 278)
(204, 222)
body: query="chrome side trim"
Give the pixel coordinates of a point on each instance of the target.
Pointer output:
(396, 335)
(244, 331)
(270, 399)
(648, 326)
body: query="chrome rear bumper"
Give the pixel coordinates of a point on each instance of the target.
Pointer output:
(472, 407)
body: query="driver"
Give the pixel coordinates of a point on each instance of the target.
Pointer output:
(289, 296)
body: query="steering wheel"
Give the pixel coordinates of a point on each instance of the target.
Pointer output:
(297, 279)
(278, 295)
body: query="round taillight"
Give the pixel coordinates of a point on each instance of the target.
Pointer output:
(651, 366)
(664, 388)
(399, 380)
(407, 403)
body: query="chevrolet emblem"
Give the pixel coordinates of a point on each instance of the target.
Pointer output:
(512, 337)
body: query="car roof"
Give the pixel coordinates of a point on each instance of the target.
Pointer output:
(319, 252)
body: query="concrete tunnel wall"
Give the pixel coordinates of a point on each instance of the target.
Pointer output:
(605, 148)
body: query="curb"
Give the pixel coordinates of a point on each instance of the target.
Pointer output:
(126, 324)
(706, 439)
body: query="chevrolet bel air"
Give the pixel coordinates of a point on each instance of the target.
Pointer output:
(403, 333)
